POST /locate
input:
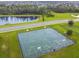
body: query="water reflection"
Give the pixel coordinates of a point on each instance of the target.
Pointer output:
(14, 20)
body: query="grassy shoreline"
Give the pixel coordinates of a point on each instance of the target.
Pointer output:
(58, 16)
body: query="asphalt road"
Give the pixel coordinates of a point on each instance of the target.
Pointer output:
(13, 28)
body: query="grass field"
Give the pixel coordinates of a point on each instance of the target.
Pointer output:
(58, 16)
(70, 51)
(9, 45)
(12, 49)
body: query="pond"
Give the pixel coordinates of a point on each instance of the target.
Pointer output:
(15, 20)
(36, 43)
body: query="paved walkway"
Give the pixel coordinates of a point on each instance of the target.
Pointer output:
(8, 29)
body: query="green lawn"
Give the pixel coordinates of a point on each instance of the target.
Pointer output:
(70, 51)
(13, 49)
(9, 45)
(58, 16)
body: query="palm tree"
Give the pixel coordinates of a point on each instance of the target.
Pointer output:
(45, 11)
(42, 12)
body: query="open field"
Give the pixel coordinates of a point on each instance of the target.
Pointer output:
(43, 29)
(68, 52)
(9, 45)
(60, 16)
(10, 41)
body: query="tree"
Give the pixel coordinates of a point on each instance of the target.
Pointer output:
(42, 12)
(69, 32)
(70, 23)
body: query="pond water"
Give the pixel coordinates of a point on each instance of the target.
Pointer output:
(14, 20)
(36, 43)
